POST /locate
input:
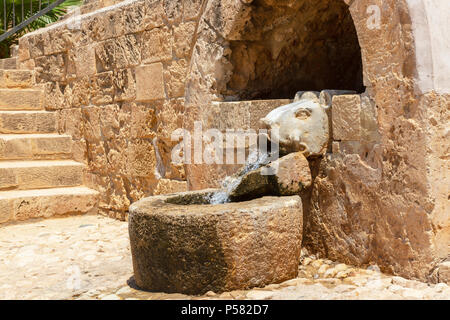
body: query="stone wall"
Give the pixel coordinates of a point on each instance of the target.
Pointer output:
(115, 77)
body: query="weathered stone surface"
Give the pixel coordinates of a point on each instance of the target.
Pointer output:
(444, 272)
(51, 68)
(154, 14)
(78, 93)
(346, 117)
(24, 50)
(175, 78)
(236, 115)
(240, 114)
(8, 63)
(118, 53)
(125, 87)
(20, 99)
(167, 186)
(150, 82)
(34, 146)
(106, 261)
(292, 174)
(84, 60)
(286, 176)
(39, 174)
(27, 122)
(157, 45)
(102, 86)
(141, 159)
(184, 34)
(204, 247)
(103, 249)
(16, 78)
(253, 185)
(191, 9)
(26, 204)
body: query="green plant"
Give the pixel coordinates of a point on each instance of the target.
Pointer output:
(13, 16)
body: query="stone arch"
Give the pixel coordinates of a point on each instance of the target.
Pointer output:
(284, 47)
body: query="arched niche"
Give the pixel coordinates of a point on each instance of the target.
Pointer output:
(287, 46)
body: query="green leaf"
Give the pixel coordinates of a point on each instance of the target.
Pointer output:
(12, 16)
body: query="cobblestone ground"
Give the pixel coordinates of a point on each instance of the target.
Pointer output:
(88, 257)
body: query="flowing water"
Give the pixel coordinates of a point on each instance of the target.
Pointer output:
(256, 159)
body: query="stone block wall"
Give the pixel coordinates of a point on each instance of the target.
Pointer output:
(115, 77)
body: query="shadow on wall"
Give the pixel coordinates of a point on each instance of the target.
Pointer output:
(287, 46)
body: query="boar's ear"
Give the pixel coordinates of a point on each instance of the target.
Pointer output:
(305, 95)
(326, 96)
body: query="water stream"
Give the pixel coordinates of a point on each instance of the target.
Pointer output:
(255, 160)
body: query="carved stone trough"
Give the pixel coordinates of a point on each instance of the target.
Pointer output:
(180, 243)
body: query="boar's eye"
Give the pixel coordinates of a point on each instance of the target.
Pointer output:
(303, 114)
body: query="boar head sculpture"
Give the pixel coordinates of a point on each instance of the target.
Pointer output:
(302, 125)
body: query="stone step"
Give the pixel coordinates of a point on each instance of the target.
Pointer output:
(35, 146)
(16, 78)
(21, 99)
(25, 175)
(43, 203)
(8, 63)
(27, 122)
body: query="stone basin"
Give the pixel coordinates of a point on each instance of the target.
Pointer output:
(180, 243)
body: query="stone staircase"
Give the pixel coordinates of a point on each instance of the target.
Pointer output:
(37, 176)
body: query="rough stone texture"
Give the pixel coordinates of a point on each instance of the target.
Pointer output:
(166, 186)
(8, 63)
(253, 185)
(444, 272)
(236, 115)
(116, 79)
(45, 203)
(27, 122)
(62, 258)
(195, 248)
(150, 83)
(39, 174)
(346, 118)
(20, 99)
(16, 78)
(286, 176)
(34, 146)
(277, 48)
(292, 174)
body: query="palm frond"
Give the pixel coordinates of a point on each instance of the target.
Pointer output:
(13, 12)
